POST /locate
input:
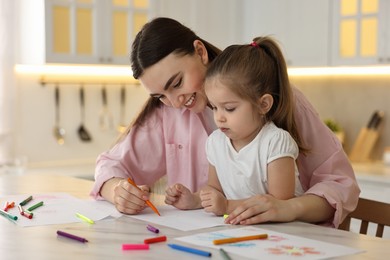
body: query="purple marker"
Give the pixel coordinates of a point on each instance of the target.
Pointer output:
(153, 229)
(64, 234)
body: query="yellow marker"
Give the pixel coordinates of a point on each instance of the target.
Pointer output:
(225, 216)
(82, 217)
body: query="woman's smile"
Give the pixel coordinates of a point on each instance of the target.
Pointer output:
(190, 102)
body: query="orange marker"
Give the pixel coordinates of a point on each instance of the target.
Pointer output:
(147, 201)
(238, 239)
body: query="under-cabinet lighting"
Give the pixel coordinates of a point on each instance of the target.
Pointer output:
(341, 71)
(126, 72)
(66, 73)
(74, 70)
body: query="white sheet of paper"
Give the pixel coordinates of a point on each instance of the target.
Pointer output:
(58, 208)
(277, 246)
(184, 220)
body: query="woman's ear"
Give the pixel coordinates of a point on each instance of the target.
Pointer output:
(201, 50)
(266, 101)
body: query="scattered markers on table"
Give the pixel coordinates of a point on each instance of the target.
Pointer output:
(39, 204)
(84, 218)
(8, 215)
(190, 250)
(155, 240)
(67, 235)
(24, 202)
(152, 229)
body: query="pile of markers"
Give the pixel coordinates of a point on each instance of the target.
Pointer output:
(24, 212)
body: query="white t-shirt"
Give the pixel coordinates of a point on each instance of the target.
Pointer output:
(244, 174)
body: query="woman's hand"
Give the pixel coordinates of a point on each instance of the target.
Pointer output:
(262, 208)
(181, 197)
(213, 201)
(128, 199)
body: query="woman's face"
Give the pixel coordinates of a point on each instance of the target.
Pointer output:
(178, 80)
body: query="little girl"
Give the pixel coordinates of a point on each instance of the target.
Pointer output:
(254, 149)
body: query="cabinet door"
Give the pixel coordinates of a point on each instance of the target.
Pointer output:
(359, 32)
(301, 27)
(307, 33)
(120, 21)
(93, 31)
(71, 31)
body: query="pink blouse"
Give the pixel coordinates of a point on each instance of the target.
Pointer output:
(172, 143)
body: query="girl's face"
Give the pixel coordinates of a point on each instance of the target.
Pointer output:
(178, 80)
(234, 116)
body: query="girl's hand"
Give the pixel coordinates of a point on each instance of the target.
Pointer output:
(181, 197)
(128, 199)
(260, 209)
(213, 201)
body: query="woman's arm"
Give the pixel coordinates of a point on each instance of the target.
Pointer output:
(264, 208)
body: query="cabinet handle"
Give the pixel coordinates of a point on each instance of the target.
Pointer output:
(381, 60)
(101, 60)
(109, 60)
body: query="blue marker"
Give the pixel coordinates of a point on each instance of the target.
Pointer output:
(190, 250)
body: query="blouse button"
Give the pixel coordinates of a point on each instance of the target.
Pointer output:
(180, 146)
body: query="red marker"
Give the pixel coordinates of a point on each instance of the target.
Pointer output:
(155, 240)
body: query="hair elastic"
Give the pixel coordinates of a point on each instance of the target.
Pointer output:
(254, 44)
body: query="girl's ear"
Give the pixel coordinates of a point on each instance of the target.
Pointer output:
(266, 101)
(201, 50)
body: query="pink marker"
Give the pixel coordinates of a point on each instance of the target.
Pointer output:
(135, 247)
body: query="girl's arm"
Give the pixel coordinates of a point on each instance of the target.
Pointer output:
(213, 198)
(281, 178)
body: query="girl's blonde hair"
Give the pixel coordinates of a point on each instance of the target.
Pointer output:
(253, 70)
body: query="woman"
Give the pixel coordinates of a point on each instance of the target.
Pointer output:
(168, 138)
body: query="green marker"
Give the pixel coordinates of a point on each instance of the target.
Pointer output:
(35, 206)
(24, 202)
(7, 215)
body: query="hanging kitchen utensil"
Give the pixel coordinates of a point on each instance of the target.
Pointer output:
(59, 132)
(122, 125)
(106, 119)
(82, 132)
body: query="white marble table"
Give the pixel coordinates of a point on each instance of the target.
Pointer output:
(106, 236)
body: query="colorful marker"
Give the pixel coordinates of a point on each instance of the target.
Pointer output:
(35, 206)
(90, 221)
(135, 246)
(152, 229)
(190, 250)
(64, 234)
(147, 201)
(27, 214)
(7, 215)
(155, 240)
(24, 202)
(8, 205)
(238, 239)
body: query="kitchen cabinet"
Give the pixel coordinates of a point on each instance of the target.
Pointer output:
(360, 32)
(91, 31)
(218, 21)
(80, 31)
(301, 27)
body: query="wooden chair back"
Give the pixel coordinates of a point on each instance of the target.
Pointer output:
(369, 211)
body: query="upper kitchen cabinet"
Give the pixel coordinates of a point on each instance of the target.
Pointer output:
(93, 31)
(301, 27)
(86, 31)
(360, 32)
(218, 21)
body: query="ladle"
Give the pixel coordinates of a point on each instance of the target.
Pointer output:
(59, 132)
(122, 126)
(106, 119)
(82, 132)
